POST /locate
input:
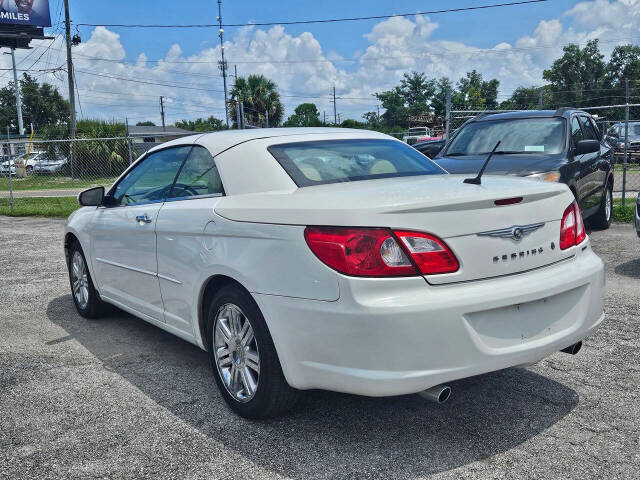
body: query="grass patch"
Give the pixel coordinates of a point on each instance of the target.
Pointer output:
(624, 214)
(53, 182)
(60, 207)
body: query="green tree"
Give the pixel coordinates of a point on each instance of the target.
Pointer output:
(417, 91)
(145, 124)
(522, 98)
(412, 97)
(577, 75)
(258, 95)
(439, 100)
(623, 64)
(210, 124)
(396, 111)
(306, 115)
(372, 120)
(474, 92)
(350, 123)
(42, 104)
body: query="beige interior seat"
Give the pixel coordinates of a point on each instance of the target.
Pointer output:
(382, 167)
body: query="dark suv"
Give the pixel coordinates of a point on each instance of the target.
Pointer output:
(557, 146)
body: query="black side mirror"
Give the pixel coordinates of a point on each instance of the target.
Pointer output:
(91, 197)
(587, 146)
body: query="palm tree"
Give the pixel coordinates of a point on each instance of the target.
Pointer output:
(258, 95)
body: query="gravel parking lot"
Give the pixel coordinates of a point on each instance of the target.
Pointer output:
(120, 398)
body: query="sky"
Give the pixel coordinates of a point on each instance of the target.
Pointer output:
(121, 72)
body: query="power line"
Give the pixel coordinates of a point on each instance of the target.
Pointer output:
(307, 22)
(146, 82)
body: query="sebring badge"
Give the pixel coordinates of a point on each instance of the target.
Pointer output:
(517, 232)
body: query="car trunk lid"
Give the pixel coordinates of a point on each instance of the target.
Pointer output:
(484, 236)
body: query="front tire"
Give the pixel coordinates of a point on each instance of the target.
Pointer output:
(243, 358)
(85, 297)
(602, 219)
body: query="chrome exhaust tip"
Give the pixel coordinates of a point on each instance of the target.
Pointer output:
(572, 349)
(438, 394)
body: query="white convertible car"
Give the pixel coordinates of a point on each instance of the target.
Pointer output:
(335, 259)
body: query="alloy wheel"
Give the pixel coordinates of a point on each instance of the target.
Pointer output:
(80, 280)
(236, 352)
(608, 204)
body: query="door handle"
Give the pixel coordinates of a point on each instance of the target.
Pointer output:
(143, 219)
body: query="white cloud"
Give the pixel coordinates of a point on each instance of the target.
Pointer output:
(302, 69)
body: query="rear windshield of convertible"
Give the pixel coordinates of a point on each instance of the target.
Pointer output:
(332, 161)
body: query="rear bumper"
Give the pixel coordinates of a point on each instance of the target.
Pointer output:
(399, 336)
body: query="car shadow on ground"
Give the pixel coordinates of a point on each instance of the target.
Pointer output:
(328, 434)
(629, 269)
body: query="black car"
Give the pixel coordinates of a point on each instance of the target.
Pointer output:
(430, 148)
(616, 138)
(558, 146)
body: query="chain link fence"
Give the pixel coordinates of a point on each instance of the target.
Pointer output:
(44, 176)
(619, 125)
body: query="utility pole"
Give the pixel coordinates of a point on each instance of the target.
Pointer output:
(235, 69)
(164, 128)
(324, 119)
(540, 98)
(447, 114)
(17, 91)
(223, 63)
(126, 122)
(335, 115)
(72, 94)
(626, 143)
(10, 177)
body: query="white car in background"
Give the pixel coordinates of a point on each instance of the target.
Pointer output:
(31, 160)
(4, 168)
(48, 163)
(34, 160)
(414, 135)
(335, 259)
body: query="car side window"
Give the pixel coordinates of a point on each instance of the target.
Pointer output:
(198, 176)
(576, 131)
(587, 129)
(151, 180)
(594, 125)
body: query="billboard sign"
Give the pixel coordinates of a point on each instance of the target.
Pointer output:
(33, 13)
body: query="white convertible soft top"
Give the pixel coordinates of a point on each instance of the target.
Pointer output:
(218, 142)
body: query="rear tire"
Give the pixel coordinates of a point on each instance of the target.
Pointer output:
(602, 219)
(85, 297)
(243, 357)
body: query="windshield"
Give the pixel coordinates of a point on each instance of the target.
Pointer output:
(417, 131)
(332, 161)
(634, 130)
(517, 135)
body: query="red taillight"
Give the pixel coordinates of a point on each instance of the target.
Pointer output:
(572, 231)
(430, 254)
(376, 252)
